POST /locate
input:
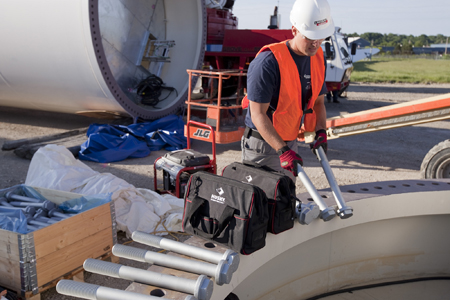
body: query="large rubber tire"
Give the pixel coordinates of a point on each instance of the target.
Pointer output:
(436, 163)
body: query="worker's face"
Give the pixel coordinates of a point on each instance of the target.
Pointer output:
(302, 45)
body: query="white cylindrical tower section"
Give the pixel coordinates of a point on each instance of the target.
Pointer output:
(85, 56)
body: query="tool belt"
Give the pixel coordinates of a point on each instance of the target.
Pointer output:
(248, 132)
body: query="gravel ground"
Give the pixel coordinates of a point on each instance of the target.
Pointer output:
(394, 154)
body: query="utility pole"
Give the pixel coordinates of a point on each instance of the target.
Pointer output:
(371, 47)
(446, 44)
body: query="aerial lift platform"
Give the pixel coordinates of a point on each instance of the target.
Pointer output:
(224, 113)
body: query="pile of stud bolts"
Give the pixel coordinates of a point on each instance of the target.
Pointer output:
(39, 213)
(219, 266)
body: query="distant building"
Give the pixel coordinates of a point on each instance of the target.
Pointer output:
(421, 50)
(362, 43)
(439, 45)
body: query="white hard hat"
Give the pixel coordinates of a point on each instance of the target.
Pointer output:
(312, 18)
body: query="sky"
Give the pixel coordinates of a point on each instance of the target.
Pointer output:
(409, 17)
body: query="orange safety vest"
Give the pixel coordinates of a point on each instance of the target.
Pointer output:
(287, 117)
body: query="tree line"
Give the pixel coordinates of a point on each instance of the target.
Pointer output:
(393, 40)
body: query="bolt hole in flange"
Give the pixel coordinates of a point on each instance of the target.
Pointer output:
(365, 189)
(157, 293)
(210, 245)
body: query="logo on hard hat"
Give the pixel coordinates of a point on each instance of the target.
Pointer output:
(321, 22)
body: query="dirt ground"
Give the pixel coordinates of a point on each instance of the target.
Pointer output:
(394, 154)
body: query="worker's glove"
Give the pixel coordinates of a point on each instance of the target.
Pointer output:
(289, 159)
(320, 141)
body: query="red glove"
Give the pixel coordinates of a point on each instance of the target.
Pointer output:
(289, 160)
(320, 141)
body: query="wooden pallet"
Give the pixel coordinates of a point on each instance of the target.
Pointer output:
(34, 262)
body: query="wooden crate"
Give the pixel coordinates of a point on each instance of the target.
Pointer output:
(34, 262)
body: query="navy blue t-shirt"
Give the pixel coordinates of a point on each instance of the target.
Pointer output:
(263, 81)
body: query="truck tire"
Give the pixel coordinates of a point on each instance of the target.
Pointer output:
(436, 163)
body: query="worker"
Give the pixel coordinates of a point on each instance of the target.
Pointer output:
(285, 82)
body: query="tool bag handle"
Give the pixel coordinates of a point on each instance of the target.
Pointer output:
(222, 222)
(256, 165)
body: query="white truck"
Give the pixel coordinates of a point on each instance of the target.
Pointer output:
(339, 64)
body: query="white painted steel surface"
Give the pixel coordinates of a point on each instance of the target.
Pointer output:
(398, 232)
(80, 56)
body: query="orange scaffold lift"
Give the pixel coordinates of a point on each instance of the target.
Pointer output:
(224, 113)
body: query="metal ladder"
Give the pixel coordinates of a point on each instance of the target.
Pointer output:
(158, 52)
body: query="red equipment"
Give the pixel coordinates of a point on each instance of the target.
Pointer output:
(175, 175)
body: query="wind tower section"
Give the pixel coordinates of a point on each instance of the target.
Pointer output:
(87, 56)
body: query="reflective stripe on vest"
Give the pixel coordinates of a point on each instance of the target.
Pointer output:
(287, 117)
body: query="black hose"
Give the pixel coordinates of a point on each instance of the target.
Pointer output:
(149, 90)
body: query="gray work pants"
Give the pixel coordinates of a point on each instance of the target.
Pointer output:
(260, 152)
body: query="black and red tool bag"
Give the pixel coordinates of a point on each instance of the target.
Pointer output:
(279, 189)
(226, 211)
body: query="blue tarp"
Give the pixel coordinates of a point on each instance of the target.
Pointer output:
(84, 203)
(110, 143)
(14, 219)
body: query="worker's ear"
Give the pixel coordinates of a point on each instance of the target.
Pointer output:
(294, 31)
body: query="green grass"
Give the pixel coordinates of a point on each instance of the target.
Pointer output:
(415, 70)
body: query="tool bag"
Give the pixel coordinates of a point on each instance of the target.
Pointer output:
(279, 189)
(226, 211)
(187, 157)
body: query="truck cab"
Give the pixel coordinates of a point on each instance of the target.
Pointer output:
(339, 63)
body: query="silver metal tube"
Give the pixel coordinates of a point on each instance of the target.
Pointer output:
(232, 258)
(40, 224)
(10, 196)
(55, 213)
(45, 205)
(220, 272)
(32, 228)
(48, 220)
(327, 213)
(311, 188)
(344, 211)
(200, 288)
(5, 203)
(96, 292)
